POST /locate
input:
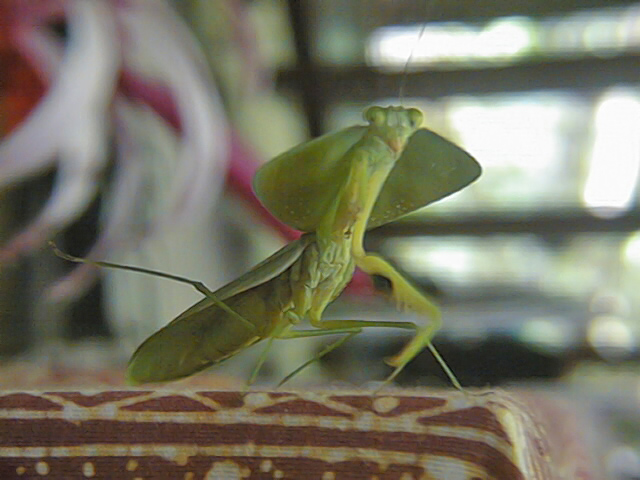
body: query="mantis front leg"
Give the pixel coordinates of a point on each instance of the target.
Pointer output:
(407, 297)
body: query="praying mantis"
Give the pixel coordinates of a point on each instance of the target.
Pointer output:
(333, 188)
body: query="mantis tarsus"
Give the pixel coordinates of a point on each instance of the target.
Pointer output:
(333, 188)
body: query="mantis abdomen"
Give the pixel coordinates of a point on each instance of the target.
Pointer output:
(200, 338)
(208, 333)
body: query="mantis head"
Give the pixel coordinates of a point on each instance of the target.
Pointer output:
(394, 125)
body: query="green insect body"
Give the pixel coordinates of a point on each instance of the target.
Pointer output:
(333, 188)
(206, 333)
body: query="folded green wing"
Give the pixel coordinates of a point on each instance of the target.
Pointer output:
(430, 168)
(205, 334)
(298, 186)
(266, 270)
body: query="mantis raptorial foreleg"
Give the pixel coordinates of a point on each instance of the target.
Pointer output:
(407, 297)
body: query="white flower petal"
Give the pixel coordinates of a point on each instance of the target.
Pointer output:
(177, 58)
(70, 122)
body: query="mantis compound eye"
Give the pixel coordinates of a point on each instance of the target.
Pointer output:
(375, 115)
(415, 117)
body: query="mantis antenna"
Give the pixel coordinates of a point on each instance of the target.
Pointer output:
(407, 64)
(405, 71)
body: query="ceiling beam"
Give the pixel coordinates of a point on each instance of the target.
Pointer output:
(366, 84)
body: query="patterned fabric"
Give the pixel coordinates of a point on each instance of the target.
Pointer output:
(135, 434)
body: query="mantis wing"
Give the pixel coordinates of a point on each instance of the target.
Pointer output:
(269, 268)
(205, 333)
(430, 168)
(298, 186)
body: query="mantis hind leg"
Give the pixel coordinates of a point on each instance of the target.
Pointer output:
(408, 297)
(199, 286)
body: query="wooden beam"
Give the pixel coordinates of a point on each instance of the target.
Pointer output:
(365, 84)
(548, 223)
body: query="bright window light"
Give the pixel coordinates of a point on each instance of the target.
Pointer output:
(519, 143)
(506, 39)
(611, 337)
(632, 249)
(420, 45)
(615, 155)
(518, 132)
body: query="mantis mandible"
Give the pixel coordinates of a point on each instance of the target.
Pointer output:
(333, 188)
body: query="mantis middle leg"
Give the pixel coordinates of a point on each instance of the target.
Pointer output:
(286, 332)
(355, 327)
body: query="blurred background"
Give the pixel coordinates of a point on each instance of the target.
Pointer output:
(131, 130)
